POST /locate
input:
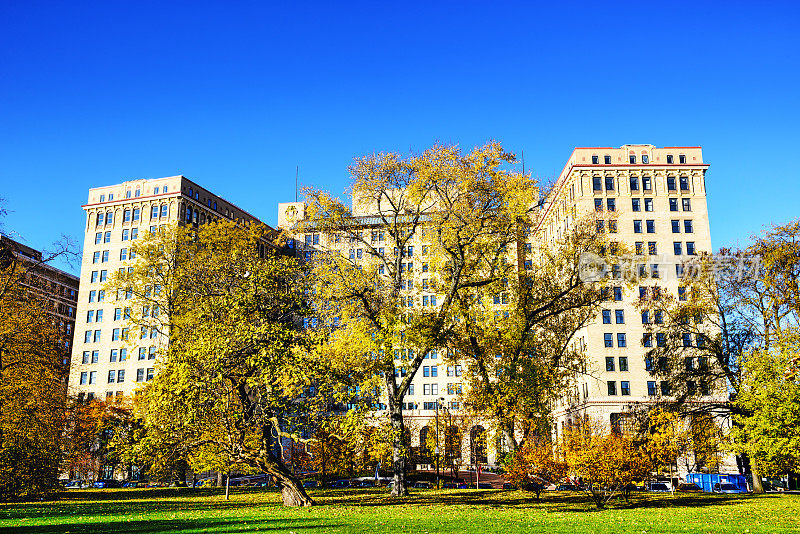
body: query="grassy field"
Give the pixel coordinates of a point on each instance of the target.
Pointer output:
(145, 511)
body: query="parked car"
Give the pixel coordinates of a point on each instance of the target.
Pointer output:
(365, 483)
(485, 485)
(689, 487)
(450, 485)
(566, 487)
(725, 487)
(131, 484)
(310, 484)
(110, 483)
(659, 487)
(509, 486)
(339, 484)
(423, 485)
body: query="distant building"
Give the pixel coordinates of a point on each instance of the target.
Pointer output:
(108, 362)
(57, 288)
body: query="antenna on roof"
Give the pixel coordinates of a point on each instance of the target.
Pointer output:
(523, 161)
(296, 175)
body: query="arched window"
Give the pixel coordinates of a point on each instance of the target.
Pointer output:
(100, 219)
(645, 157)
(632, 157)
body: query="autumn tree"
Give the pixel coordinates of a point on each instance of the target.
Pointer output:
(517, 334)
(33, 372)
(235, 375)
(606, 462)
(535, 464)
(432, 218)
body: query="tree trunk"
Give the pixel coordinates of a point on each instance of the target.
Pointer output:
(758, 484)
(399, 453)
(292, 491)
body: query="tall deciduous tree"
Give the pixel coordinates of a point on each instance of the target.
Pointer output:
(440, 214)
(235, 376)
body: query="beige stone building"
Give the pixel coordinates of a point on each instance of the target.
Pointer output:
(108, 360)
(654, 200)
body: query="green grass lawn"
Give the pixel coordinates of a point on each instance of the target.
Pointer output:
(144, 511)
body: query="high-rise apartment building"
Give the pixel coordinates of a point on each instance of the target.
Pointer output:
(56, 288)
(108, 361)
(653, 200)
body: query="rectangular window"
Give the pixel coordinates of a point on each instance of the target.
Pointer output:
(611, 204)
(96, 257)
(636, 204)
(661, 340)
(634, 183)
(617, 293)
(111, 376)
(120, 377)
(687, 204)
(609, 183)
(639, 248)
(608, 340)
(651, 226)
(684, 183)
(607, 160)
(647, 340)
(637, 227)
(687, 226)
(623, 363)
(134, 233)
(632, 159)
(621, 343)
(647, 183)
(609, 363)
(652, 248)
(114, 354)
(434, 371)
(654, 273)
(140, 375)
(84, 378)
(677, 248)
(103, 275)
(92, 377)
(619, 316)
(625, 388)
(426, 371)
(671, 183)
(687, 339)
(651, 388)
(673, 204)
(123, 354)
(665, 388)
(612, 387)
(597, 185)
(648, 204)
(676, 226)
(600, 226)
(595, 160)
(606, 316)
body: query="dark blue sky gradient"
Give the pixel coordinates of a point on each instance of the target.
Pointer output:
(234, 95)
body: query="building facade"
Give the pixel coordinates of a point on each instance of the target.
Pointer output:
(108, 361)
(55, 287)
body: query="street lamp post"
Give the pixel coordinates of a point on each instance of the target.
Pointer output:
(437, 445)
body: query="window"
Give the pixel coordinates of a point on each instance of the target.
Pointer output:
(645, 316)
(115, 334)
(608, 340)
(682, 293)
(612, 387)
(96, 257)
(634, 181)
(659, 317)
(140, 375)
(92, 377)
(625, 388)
(120, 377)
(647, 183)
(619, 316)
(595, 160)
(600, 226)
(136, 214)
(651, 388)
(639, 247)
(606, 316)
(623, 363)
(134, 233)
(687, 226)
(673, 204)
(661, 340)
(632, 158)
(609, 363)
(669, 159)
(100, 219)
(687, 204)
(621, 343)
(651, 226)
(142, 353)
(103, 275)
(654, 270)
(164, 210)
(609, 183)
(101, 295)
(99, 316)
(677, 248)
(607, 160)
(426, 371)
(611, 204)
(637, 227)
(636, 204)
(111, 376)
(596, 186)
(109, 217)
(664, 387)
(647, 341)
(154, 212)
(687, 339)
(671, 183)
(617, 293)
(105, 256)
(151, 353)
(434, 371)
(648, 204)
(94, 277)
(681, 158)
(123, 254)
(125, 234)
(645, 159)
(652, 249)
(676, 226)
(114, 355)
(98, 238)
(84, 378)
(684, 183)
(688, 363)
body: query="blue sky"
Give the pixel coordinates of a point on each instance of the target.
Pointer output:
(235, 95)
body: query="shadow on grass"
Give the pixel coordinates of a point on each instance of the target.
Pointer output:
(171, 525)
